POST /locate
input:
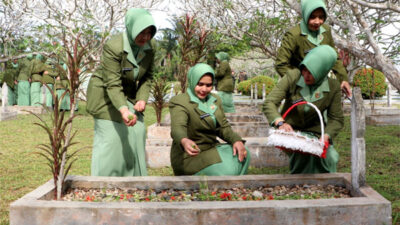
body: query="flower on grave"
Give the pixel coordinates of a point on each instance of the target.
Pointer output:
(213, 193)
(225, 196)
(147, 199)
(244, 197)
(121, 196)
(173, 198)
(271, 197)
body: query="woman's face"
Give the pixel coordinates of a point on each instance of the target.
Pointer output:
(143, 37)
(204, 87)
(308, 77)
(317, 18)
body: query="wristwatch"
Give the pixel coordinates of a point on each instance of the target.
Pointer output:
(280, 123)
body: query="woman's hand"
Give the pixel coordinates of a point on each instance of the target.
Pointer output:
(190, 147)
(285, 126)
(128, 117)
(345, 86)
(240, 150)
(140, 106)
(326, 138)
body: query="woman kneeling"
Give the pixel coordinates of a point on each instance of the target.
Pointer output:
(197, 119)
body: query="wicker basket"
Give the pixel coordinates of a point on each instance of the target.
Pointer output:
(297, 142)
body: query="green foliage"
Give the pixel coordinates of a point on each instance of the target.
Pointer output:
(56, 150)
(371, 82)
(159, 90)
(245, 86)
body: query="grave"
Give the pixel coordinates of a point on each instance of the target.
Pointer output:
(364, 207)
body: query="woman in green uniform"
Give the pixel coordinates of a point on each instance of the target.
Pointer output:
(311, 32)
(38, 68)
(61, 86)
(225, 84)
(24, 78)
(310, 83)
(49, 79)
(117, 95)
(197, 119)
(10, 77)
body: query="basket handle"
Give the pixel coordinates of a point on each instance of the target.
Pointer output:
(316, 109)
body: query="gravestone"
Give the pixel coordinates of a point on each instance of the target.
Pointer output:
(5, 112)
(357, 140)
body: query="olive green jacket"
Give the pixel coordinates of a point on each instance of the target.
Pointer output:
(188, 121)
(25, 69)
(53, 72)
(295, 46)
(10, 75)
(38, 67)
(114, 83)
(62, 83)
(288, 90)
(223, 75)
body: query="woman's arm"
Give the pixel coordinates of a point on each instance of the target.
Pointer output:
(285, 53)
(335, 113)
(111, 75)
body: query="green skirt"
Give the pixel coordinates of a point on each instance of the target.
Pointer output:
(11, 96)
(306, 163)
(119, 150)
(230, 165)
(23, 97)
(35, 94)
(227, 101)
(49, 96)
(65, 102)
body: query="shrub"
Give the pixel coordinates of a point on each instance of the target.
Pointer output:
(244, 86)
(371, 82)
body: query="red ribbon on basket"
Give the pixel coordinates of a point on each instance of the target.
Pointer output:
(326, 143)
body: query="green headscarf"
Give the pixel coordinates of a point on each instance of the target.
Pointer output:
(194, 75)
(136, 20)
(40, 57)
(29, 56)
(319, 61)
(14, 65)
(222, 56)
(307, 7)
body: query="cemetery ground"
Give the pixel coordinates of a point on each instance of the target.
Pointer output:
(22, 171)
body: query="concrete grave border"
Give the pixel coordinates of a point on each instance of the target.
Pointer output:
(367, 207)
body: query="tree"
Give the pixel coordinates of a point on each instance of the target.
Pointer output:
(74, 32)
(366, 30)
(193, 45)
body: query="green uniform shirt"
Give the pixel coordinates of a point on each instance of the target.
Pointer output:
(25, 69)
(288, 90)
(115, 83)
(295, 46)
(10, 75)
(223, 75)
(38, 67)
(188, 121)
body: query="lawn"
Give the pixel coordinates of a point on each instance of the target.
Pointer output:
(21, 170)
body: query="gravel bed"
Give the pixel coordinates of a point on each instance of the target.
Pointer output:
(234, 194)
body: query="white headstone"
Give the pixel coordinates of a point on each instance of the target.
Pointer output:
(357, 140)
(4, 97)
(255, 91)
(251, 92)
(263, 92)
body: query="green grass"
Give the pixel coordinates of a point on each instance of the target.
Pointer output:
(21, 171)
